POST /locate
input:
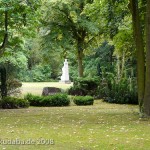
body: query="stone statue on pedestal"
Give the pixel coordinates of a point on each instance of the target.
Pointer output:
(65, 73)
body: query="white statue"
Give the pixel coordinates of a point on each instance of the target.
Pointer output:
(65, 73)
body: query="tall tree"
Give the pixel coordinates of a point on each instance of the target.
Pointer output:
(3, 81)
(17, 17)
(138, 37)
(69, 28)
(147, 81)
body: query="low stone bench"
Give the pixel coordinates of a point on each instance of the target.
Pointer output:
(50, 91)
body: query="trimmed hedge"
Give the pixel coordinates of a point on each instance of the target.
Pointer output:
(84, 86)
(83, 100)
(13, 103)
(34, 100)
(51, 100)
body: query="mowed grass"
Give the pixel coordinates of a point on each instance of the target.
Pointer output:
(102, 126)
(37, 87)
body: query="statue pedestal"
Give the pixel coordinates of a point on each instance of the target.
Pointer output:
(65, 73)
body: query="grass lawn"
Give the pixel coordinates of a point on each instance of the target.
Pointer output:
(102, 126)
(36, 87)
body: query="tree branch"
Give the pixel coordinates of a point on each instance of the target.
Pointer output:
(5, 40)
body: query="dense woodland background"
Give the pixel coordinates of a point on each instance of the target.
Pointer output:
(102, 39)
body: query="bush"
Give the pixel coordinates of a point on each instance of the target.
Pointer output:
(34, 100)
(60, 100)
(13, 102)
(51, 100)
(13, 87)
(123, 91)
(84, 86)
(83, 100)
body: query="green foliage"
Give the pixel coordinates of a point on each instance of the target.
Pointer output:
(111, 14)
(34, 100)
(13, 87)
(122, 91)
(123, 40)
(84, 86)
(22, 15)
(13, 103)
(38, 73)
(21, 19)
(13, 60)
(60, 100)
(18, 21)
(100, 60)
(41, 62)
(101, 29)
(52, 100)
(83, 100)
(73, 72)
(67, 27)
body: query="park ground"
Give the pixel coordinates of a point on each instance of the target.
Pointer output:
(102, 126)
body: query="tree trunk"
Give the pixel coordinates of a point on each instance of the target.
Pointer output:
(123, 65)
(80, 64)
(147, 83)
(5, 40)
(140, 51)
(3, 86)
(3, 82)
(80, 48)
(118, 68)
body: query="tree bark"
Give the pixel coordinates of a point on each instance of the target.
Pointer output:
(80, 63)
(118, 68)
(3, 86)
(5, 40)
(80, 49)
(147, 83)
(3, 82)
(140, 51)
(123, 65)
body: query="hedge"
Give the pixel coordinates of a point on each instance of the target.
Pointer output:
(51, 100)
(83, 100)
(13, 102)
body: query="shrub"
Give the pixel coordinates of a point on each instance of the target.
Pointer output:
(13, 102)
(84, 86)
(13, 87)
(34, 100)
(83, 100)
(51, 100)
(123, 91)
(60, 100)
